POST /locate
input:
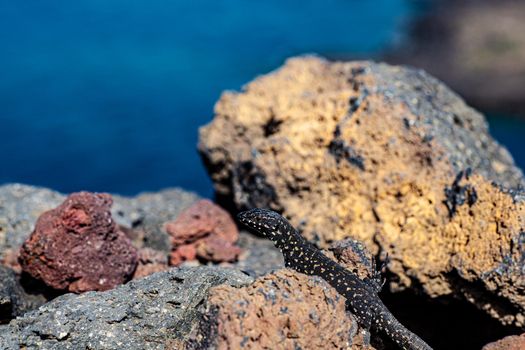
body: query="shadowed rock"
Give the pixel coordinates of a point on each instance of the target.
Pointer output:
(14, 300)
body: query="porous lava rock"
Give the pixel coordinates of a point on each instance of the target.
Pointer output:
(204, 231)
(142, 218)
(78, 247)
(157, 312)
(386, 155)
(512, 342)
(282, 310)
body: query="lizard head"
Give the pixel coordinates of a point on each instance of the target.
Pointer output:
(267, 223)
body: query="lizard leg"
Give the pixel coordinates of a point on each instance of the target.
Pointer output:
(377, 280)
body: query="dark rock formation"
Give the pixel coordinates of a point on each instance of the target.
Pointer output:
(412, 136)
(477, 47)
(204, 231)
(156, 312)
(78, 246)
(14, 300)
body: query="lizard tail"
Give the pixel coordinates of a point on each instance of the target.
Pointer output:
(407, 340)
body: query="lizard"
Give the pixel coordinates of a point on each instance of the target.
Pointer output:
(302, 256)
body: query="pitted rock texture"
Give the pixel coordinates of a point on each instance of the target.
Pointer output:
(374, 152)
(155, 312)
(78, 246)
(283, 310)
(204, 231)
(513, 342)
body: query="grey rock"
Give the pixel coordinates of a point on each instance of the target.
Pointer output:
(260, 255)
(20, 206)
(147, 213)
(14, 300)
(155, 312)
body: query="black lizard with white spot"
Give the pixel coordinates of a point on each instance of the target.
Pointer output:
(304, 257)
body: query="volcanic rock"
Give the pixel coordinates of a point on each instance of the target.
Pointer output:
(20, 207)
(78, 247)
(206, 231)
(386, 155)
(156, 312)
(149, 262)
(283, 310)
(144, 216)
(14, 300)
(513, 342)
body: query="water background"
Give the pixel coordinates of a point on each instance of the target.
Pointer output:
(108, 95)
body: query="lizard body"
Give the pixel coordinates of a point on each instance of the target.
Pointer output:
(304, 257)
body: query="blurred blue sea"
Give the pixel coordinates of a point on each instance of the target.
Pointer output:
(108, 95)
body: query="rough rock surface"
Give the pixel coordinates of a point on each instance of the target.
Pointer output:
(380, 154)
(155, 312)
(513, 342)
(482, 59)
(142, 216)
(204, 231)
(145, 215)
(354, 256)
(14, 300)
(259, 255)
(78, 246)
(149, 262)
(283, 310)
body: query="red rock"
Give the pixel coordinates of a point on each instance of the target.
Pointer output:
(150, 261)
(204, 230)
(201, 219)
(78, 247)
(183, 253)
(216, 249)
